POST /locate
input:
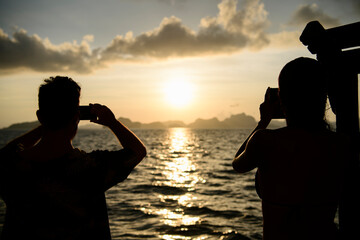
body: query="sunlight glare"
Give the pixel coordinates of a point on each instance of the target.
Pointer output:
(178, 92)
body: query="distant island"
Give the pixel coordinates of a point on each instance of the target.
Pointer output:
(237, 121)
(23, 125)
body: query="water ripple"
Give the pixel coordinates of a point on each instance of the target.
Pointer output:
(184, 189)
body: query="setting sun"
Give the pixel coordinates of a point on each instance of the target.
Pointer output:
(178, 92)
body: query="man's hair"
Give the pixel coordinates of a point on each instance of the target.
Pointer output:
(58, 101)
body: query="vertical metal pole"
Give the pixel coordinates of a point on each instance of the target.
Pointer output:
(343, 92)
(347, 109)
(347, 122)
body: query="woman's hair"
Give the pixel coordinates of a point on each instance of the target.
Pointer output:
(303, 92)
(58, 101)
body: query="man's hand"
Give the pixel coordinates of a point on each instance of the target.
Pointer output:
(104, 115)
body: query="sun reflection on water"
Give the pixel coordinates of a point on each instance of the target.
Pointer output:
(178, 139)
(172, 237)
(185, 200)
(177, 171)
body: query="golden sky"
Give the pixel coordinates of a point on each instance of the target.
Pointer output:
(155, 60)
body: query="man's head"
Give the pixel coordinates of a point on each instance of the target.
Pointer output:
(58, 102)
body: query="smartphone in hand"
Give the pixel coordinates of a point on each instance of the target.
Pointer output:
(85, 113)
(274, 99)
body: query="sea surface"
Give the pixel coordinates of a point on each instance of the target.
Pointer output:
(185, 188)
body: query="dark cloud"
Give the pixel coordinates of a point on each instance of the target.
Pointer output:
(230, 31)
(311, 12)
(23, 50)
(356, 4)
(173, 39)
(353, 5)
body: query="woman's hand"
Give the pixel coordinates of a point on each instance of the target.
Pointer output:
(271, 107)
(104, 115)
(266, 109)
(265, 113)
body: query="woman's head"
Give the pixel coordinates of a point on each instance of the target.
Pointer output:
(58, 102)
(303, 92)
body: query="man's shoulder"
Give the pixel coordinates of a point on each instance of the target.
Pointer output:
(103, 157)
(10, 151)
(11, 148)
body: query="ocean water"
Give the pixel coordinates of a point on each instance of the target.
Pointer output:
(185, 188)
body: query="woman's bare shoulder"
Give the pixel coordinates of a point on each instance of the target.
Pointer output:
(268, 134)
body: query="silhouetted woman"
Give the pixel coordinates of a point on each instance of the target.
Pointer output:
(53, 190)
(301, 166)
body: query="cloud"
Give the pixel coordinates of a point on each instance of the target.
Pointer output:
(311, 12)
(356, 6)
(33, 52)
(230, 31)
(353, 5)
